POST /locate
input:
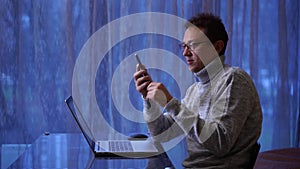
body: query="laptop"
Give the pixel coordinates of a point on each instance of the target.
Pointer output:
(112, 148)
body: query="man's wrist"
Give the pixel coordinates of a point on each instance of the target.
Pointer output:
(169, 103)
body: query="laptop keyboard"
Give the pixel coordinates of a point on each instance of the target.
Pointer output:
(120, 146)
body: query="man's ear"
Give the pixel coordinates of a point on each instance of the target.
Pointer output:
(219, 45)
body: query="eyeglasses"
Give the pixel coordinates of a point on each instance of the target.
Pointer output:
(190, 46)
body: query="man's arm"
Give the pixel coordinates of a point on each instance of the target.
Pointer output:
(162, 127)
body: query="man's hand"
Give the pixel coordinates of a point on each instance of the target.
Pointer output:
(158, 92)
(150, 90)
(142, 79)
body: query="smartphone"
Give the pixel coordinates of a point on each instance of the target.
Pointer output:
(141, 66)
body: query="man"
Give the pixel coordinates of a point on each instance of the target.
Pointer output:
(220, 114)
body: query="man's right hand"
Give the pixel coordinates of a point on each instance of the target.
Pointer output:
(142, 79)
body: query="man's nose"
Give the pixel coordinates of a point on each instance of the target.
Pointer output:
(186, 52)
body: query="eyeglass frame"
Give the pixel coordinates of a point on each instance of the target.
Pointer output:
(191, 46)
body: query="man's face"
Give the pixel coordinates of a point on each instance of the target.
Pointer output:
(199, 51)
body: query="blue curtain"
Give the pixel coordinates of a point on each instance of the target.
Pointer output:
(41, 40)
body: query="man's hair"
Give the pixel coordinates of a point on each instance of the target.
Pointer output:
(213, 27)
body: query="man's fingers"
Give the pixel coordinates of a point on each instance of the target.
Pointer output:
(142, 80)
(154, 85)
(140, 73)
(143, 86)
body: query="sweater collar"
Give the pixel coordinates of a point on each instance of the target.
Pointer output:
(210, 70)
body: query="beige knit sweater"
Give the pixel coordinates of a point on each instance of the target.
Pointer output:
(221, 116)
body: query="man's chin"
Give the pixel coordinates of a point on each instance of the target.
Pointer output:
(194, 69)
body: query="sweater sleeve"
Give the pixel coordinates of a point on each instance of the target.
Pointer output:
(161, 126)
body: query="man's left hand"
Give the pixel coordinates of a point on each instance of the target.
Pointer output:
(158, 93)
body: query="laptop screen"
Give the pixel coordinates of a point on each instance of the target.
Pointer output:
(73, 109)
